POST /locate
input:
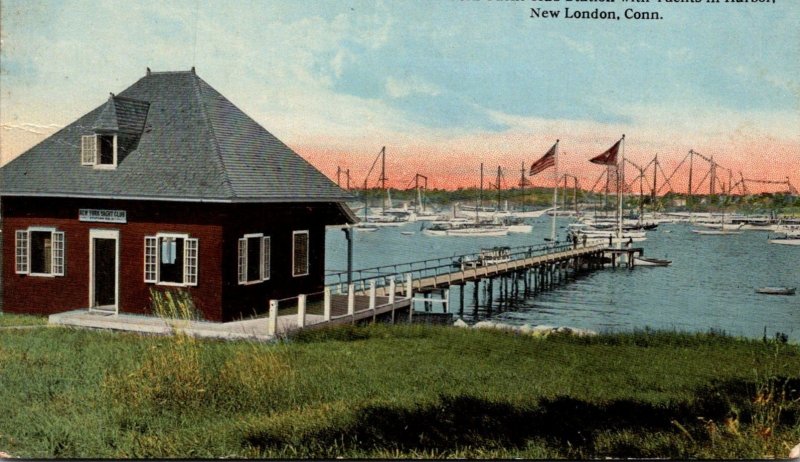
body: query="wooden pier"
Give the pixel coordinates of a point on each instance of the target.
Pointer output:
(389, 291)
(549, 264)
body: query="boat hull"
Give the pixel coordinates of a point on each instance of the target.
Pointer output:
(795, 241)
(776, 290)
(642, 261)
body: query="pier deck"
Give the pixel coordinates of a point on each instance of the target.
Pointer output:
(461, 276)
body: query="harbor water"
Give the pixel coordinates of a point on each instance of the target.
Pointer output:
(709, 286)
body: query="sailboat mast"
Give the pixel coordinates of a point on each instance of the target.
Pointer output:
(620, 190)
(383, 176)
(555, 196)
(497, 209)
(480, 198)
(522, 185)
(655, 176)
(575, 194)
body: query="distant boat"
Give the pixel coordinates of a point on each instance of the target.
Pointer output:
(787, 235)
(715, 232)
(785, 240)
(776, 290)
(365, 227)
(516, 224)
(642, 261)
(493, 256)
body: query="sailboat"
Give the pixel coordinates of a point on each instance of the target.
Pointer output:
(384, 219)
(720, 229)
(463, 228)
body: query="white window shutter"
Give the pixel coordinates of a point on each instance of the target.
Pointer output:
(265, 254)
(190, 262)
(22, 252)
(150, 259)
(58, 253)
(242, 261)
(88, 150)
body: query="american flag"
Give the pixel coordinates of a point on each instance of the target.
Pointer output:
(548, 160)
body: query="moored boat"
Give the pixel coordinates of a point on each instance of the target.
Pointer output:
(776, 290)
(715, 232)
(644, 261)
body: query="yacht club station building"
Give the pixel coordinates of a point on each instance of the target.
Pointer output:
(166, 185)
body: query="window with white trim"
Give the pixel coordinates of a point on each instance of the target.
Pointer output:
(99, 151)
(171, 259)
(299, 253)
(39, 251)
(254, 258)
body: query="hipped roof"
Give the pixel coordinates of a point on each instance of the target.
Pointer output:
(188, 142)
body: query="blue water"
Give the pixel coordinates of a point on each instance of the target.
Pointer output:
(710, 284)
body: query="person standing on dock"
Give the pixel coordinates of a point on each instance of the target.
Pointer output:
(584, 240)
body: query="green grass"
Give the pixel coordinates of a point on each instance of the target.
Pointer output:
(12, 320)
(403, 391)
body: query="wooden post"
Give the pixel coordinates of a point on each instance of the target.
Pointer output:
(272, 322)
(409, 282)
(392, 290)
(446, 301)
(372, 294)
(326, 304)
(351, 299)
(301, 311)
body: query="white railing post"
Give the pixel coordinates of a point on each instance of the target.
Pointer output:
(392, 286)
(409, 283)
(351, 299)
(272, 322)
(326, 304)
(372, 294)
(301, 311)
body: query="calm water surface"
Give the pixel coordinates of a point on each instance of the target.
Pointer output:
(710, 284)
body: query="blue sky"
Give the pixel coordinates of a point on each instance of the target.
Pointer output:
(344, 77)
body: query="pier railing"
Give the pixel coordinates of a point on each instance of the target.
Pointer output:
(325, 307)
(399, 274)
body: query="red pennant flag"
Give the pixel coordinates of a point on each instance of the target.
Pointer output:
(609, 157)
(548, 160)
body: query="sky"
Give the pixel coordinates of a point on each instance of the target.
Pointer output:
(444, 85)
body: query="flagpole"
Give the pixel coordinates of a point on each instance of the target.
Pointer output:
(555, 195)
(620, 187)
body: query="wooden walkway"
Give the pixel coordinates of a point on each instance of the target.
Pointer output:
(461, 276)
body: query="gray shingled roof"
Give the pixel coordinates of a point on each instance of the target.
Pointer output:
(179, 140)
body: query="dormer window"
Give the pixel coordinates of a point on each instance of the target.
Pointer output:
(99, 150)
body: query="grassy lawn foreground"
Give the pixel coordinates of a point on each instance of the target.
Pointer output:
(403, 391)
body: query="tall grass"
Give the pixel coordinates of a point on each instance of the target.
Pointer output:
(402, 391)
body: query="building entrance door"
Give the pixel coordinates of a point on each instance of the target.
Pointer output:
(104, 270)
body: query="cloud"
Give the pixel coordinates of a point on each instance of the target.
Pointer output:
(413, 85)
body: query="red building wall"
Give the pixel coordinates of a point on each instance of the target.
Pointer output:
(217, 227)
(47, 295)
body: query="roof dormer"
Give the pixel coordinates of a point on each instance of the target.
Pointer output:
(116, 132)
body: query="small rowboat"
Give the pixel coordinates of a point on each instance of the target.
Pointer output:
(642, 261)
(776, 290)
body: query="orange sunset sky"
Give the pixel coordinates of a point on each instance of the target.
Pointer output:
(445, 86)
